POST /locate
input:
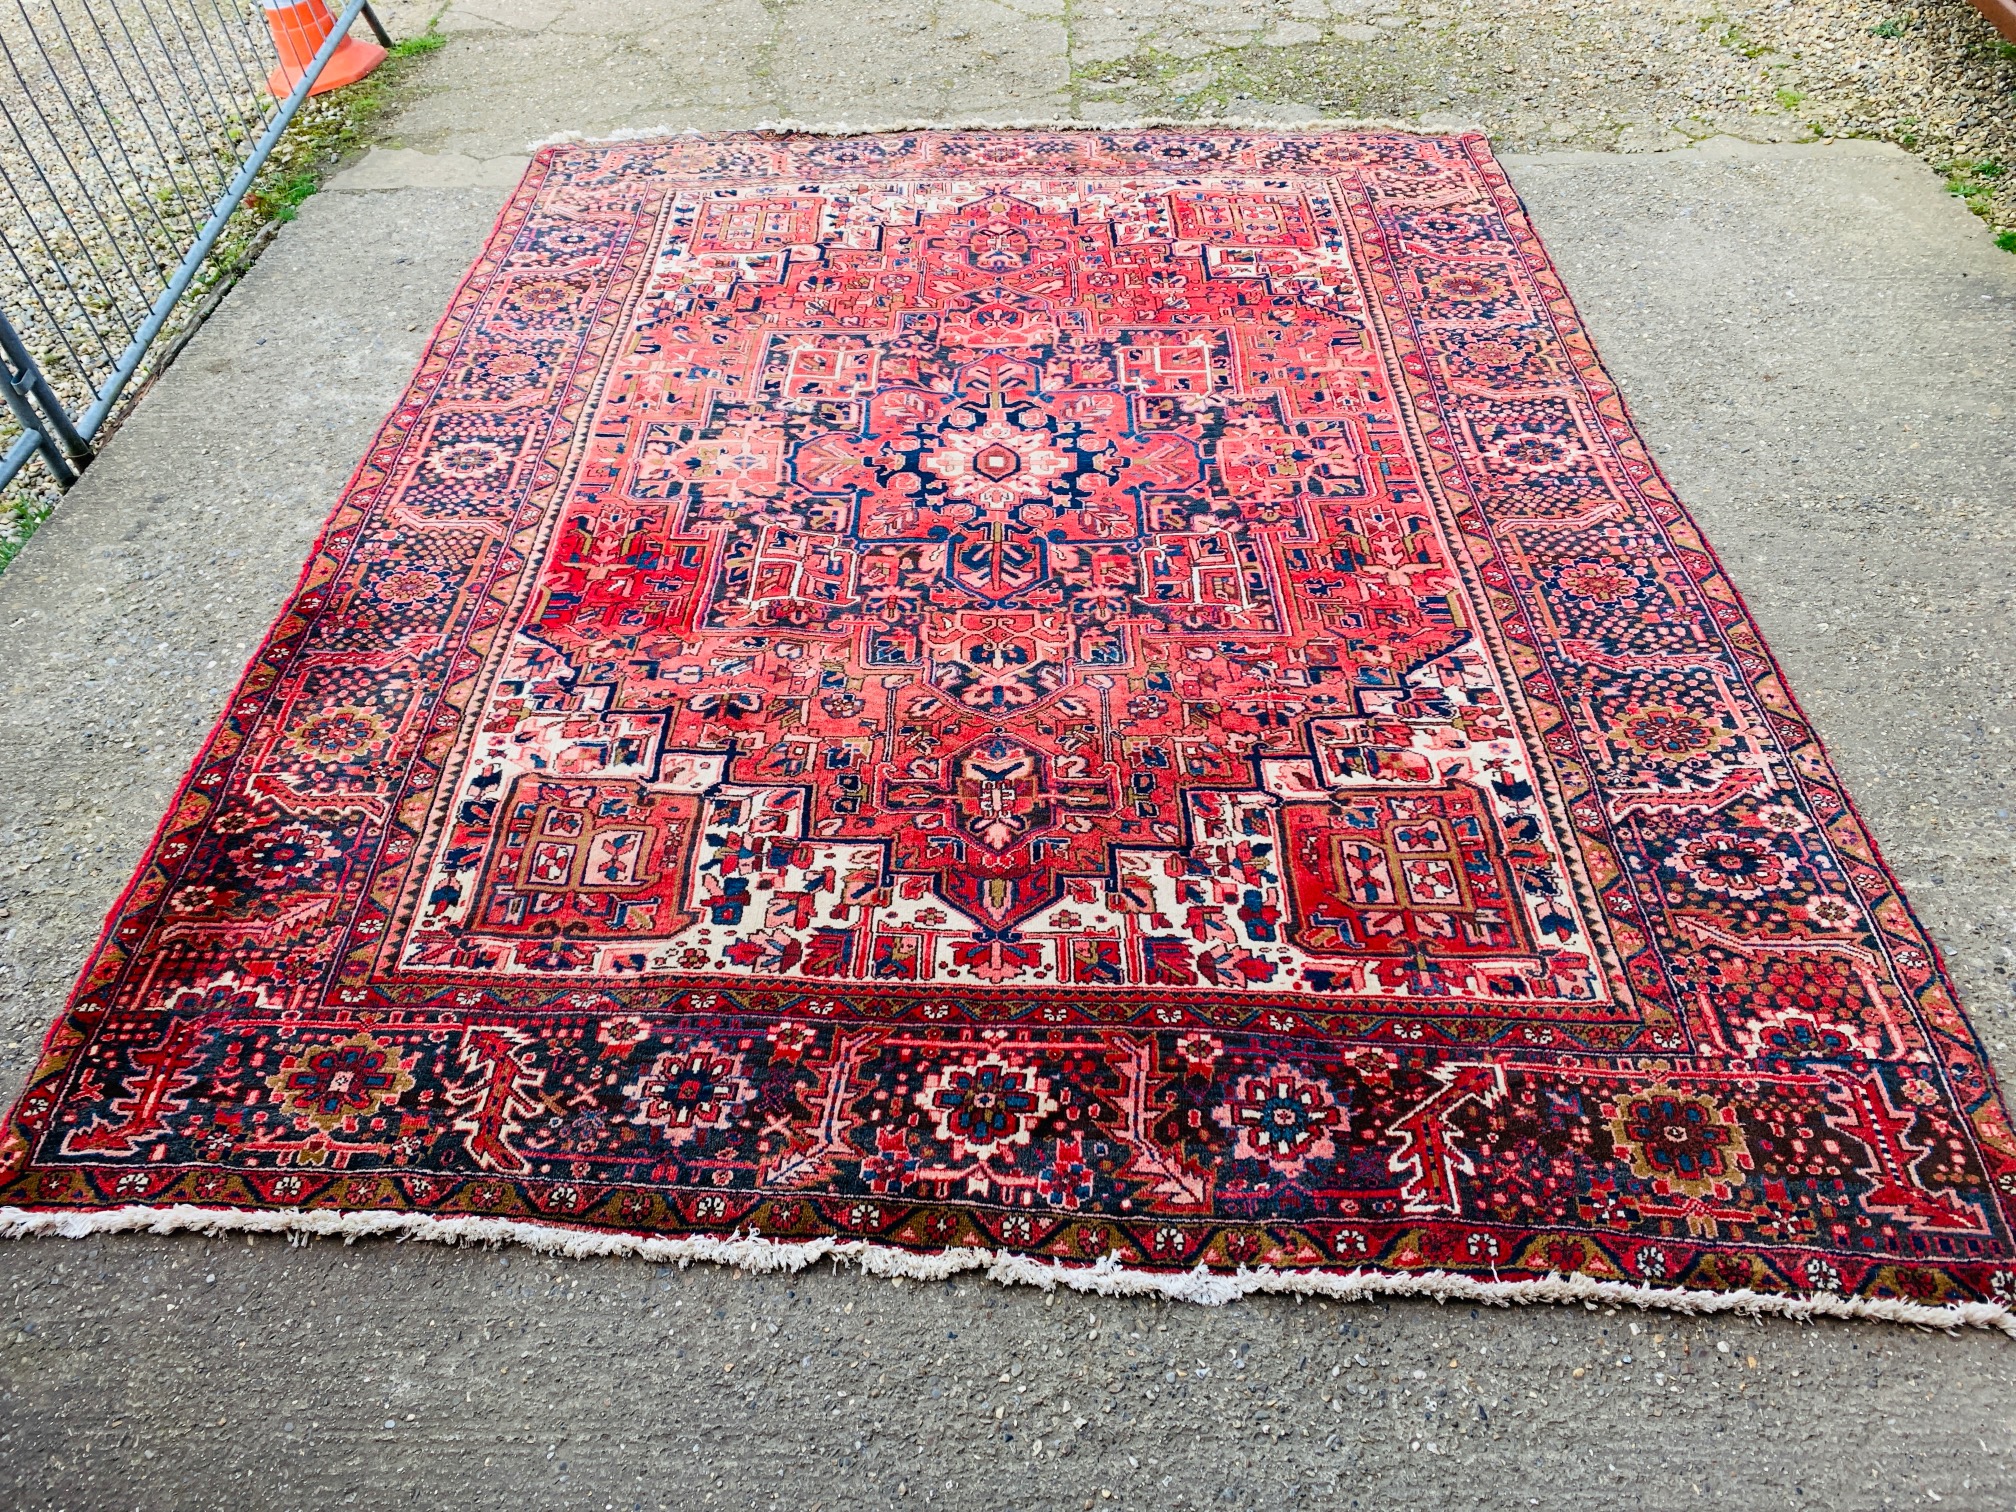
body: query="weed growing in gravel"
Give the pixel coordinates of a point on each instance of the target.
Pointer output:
(1974, 183)
(428, 41)
(1732, 35)
(25, 507)
(1887, 29)
(281, 201)
(1328, 75)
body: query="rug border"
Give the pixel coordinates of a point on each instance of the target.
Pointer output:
(1494, 174)
(792, 126)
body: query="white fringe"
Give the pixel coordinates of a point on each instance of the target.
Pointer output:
(1107, 1277)
(790, 127)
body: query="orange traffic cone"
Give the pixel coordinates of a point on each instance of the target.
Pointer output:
(299, 28)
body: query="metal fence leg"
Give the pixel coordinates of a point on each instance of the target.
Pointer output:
(45, 425)
(377, 28)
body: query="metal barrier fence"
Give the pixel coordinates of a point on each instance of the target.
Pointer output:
(130, 131)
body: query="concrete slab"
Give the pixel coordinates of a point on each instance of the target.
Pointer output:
(409, 168)
(1818, 345)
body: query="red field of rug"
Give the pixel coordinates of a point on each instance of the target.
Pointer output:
(1122, 699)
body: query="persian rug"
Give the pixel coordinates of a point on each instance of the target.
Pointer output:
(1124, 707)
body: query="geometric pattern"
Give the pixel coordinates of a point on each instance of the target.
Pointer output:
(1102, 694)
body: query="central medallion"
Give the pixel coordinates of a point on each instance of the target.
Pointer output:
(997, 464)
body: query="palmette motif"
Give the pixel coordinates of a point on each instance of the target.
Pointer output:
(1088, 694)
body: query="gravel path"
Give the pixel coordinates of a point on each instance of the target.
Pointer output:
(123, 121)
(1936, 80)
(1614, 74)
(121, 124)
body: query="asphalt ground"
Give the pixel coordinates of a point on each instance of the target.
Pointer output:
(1820, 347)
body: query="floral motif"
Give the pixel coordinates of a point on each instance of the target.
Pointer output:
(689, 1091)
(198, 899)
(1599, 582)
(1783, 819)
(1466, 288)
(792, 1040)
(1282, 1117)
(285, 857)
(329, 1086)
(622, 1032)
(1831, 913)
(1671, 732)
(1198, 1053)
(1066, 1181)
(467, 461)
(407, 586)
(1729, 864)
(1530, 449)
(985, 1105)
(1680, 1141)
(337, 734)
(1801, 1036)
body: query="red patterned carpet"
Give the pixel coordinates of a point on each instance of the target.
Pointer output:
(1126, 698)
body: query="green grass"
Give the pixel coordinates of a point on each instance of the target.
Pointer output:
(1887, 29)
(1789, 99)
(1974, 184)
(428, 41)
(282, 199)
(23, 509)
